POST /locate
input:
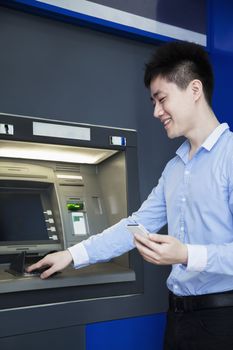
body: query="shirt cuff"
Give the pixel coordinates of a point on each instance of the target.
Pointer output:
(79, 255)
(197, 258)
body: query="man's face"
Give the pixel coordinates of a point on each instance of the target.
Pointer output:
(173, 107)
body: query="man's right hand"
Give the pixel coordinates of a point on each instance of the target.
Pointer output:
(55, 262)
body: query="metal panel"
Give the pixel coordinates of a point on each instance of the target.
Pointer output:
(59, 339)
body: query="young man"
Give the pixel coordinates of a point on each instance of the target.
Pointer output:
(194, 197)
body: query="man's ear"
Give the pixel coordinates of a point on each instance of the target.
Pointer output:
(197, 89)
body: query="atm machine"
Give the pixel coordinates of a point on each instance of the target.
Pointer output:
(60, 183)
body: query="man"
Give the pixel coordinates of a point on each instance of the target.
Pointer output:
(194, 197)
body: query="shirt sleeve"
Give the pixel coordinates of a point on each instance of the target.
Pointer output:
(214, 258)
(197, 258)
(117, 239)
(79, 255)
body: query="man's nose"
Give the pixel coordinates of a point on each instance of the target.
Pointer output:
(158, 110)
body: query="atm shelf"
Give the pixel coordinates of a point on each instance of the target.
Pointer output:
(92, 275)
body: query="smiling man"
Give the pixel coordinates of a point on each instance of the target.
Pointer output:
(196, 192)
(194, 196)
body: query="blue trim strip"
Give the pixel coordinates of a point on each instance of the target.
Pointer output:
(85, 20)
(143, 332)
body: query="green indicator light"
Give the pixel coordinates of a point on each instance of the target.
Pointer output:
(75, 206)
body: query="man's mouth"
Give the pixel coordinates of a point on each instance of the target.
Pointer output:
(166, 122)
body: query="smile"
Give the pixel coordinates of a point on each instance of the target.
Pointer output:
(166, 122)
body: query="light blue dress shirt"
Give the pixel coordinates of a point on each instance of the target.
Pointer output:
(195, 198)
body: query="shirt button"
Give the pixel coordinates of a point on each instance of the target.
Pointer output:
(183, 199)
(186, 172)
(182, 228)
(175, 286)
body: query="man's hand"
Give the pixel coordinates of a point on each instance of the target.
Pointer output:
(55, 262)
(162, 249)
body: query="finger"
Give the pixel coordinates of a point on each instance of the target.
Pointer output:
(153, 246)
(47, 273)
(140, 244)
(151, 260)
(146, 251)
(141, 239)
(35, 266)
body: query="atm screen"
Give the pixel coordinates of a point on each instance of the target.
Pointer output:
(21, 217)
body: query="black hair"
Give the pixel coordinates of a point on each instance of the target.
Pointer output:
(180, 63)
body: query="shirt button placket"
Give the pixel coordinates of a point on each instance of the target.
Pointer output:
(184, 199)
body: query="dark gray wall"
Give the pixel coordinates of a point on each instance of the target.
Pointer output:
(56, 70)
(51, 69)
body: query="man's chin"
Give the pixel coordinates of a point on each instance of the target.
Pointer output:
(171, 135)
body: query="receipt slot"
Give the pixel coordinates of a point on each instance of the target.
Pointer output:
(78, 217)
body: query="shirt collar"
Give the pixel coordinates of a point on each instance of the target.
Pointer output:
(207, 144)
(214, 136)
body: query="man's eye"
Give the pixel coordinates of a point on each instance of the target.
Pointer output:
(162, 99)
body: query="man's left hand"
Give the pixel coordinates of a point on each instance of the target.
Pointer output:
(161, 249)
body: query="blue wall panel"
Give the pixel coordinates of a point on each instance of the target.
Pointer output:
(221, 25)
(220, 39)
(129, 334)
(223, 92)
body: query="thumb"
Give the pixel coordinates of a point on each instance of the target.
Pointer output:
(155, 237)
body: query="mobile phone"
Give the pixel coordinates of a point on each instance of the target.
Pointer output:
(139, 229)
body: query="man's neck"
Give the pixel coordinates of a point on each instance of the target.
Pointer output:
(205, 126)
